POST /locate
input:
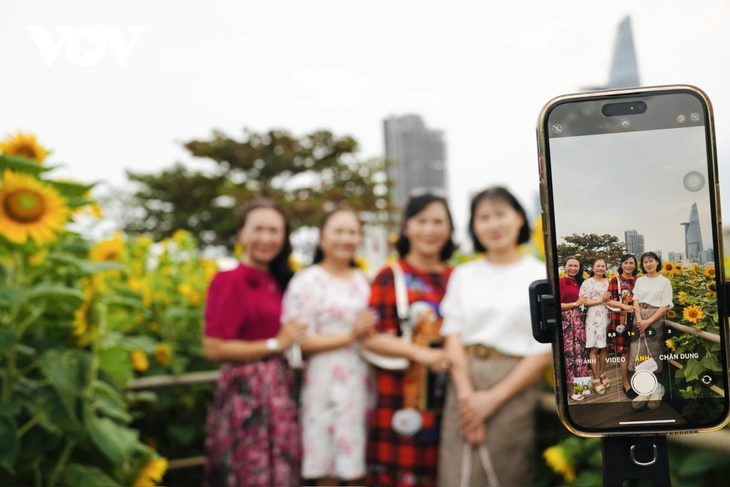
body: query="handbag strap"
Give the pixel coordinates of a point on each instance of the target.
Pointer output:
(401, 292)
(486, 460)
(648, 350)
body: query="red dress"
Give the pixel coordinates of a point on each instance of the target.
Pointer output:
(395, 459)
(574, 333)
(253, 436)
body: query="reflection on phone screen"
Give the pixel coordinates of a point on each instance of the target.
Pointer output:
(636, 238)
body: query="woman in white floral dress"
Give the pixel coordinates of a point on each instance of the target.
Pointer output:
(332, 297)
(595, 290)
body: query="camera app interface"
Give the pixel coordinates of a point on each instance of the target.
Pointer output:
(637, 263)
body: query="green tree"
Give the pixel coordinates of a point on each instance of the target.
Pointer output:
(304, 174)
(590, 247)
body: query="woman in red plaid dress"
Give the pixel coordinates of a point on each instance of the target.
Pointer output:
(404, 428)
(621, 322)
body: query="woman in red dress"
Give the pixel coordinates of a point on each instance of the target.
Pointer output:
(253, 436)
(404, 428)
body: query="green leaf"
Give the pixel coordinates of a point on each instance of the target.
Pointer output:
(56, 292)
(9, 447)
(710, 362)
(692, 370)
(85, 476)
(115, 362)
(141, 396)
(70, 190)
(13, 296)
(115, 441)
(7, 339)
(109, 402)
(64, 370)
(21, 164)
(143, 342)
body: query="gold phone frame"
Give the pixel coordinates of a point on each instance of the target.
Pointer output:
(548, 225)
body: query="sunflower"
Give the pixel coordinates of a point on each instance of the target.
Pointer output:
(140, 285)
(181, 236)
(712, 287)
(23, 145)
(152, 473)
(668, 267)
(294, 264)
(30, 208)
(238, 251)
(557, 459)
(82, 314)
(163, 354)
(682, 297)
(670, 345)
(710, 271)
(693, 314)
(678, 268)
(139, 360)
(671, 314)
(191, 295)
(107, 250)
(693, 270)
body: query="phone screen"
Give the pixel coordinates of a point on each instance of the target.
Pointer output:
(637, 261)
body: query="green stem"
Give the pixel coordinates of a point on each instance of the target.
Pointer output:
(27, 426)
(93, 374)
(10, 372)
(37, 312)
(34, 365)
(37, 473)
(63, 459)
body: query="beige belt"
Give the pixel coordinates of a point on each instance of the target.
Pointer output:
(483, 352)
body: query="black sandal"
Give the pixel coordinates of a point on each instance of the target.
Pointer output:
(631, 393)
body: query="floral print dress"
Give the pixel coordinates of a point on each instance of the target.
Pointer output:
(598, 316)
(334, 397)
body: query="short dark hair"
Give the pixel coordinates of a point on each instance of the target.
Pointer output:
(318, 254)
(415, 206)
(653, 256)
(579, 276)
(591, 273)
(626, 257)
(498, 193)
(279, 265)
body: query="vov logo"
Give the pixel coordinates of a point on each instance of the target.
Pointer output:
(85, 45)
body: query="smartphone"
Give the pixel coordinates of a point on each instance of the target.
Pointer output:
(631, 220)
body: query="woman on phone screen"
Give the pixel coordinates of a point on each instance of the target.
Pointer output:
(595, 291)
(574, 330)
(621, 289)
(253, 436)
(331, 296)
(404, 429)
(496, 363)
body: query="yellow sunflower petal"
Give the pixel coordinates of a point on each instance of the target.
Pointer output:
(23, 145)
(30, 208)
(152, 473)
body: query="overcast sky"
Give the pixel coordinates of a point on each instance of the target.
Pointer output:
(480, 71)
(611, 183)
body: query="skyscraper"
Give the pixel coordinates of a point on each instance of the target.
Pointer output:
(692, 235)
(624, 68)
(634, 242)
(418, 155)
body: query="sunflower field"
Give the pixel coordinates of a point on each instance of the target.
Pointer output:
(78, 321)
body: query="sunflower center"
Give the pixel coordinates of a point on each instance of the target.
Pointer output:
(26, 151)
(25, 206)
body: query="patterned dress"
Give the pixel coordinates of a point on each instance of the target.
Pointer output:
(574, 332)
(334, 396)
(409, 458)
(597, 318)
(618, 338)
(253, 436)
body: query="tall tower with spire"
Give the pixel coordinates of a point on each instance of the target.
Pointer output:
(692, 235)
(624, 67)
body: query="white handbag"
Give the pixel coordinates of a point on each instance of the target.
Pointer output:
(647, 365)
(402, 307)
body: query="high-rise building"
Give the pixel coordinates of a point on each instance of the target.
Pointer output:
(418, 157)
(692, 235)
(634, 242)
(706, 256)
(672, 257)
(624, 68)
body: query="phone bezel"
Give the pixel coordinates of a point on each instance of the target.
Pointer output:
(550, 244)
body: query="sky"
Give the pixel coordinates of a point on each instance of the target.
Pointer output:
(480, 71)
(634, 181)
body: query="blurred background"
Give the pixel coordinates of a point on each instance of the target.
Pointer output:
(161, 117)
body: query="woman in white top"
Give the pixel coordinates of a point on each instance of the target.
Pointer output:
(332, 297)
(496, 363)
(652, 299)
(595, 291)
